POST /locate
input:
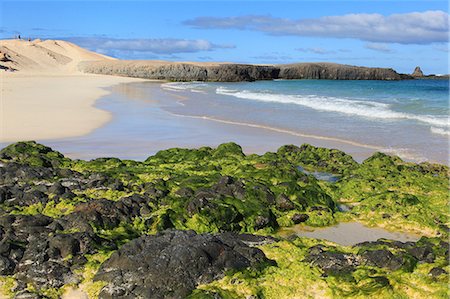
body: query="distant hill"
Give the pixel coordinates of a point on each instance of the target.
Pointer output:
(56, 56)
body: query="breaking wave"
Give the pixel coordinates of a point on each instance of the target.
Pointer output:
(368, 109)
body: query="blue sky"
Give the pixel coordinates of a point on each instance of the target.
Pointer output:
(397, 34)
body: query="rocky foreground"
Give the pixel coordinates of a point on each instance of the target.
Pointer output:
(202, 223)
(231, 72)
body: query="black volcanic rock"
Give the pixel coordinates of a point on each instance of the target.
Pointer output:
(172, 263)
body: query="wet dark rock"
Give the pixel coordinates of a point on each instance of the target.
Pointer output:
(423, 254)
(332, 263)
(25, 174)
(57, 189)
(64, 245)
(97, 180)
(6, 266)
(388, 243)
(5, 194)
(172, 263)
(196, 205)
(261, 222)
(151, 190)
(437, 271)
(283, 203)
(383, 259)
(229, 186)
(185, 192)
(117, 185)
(105, 213)
(299, 218)
(72, 184)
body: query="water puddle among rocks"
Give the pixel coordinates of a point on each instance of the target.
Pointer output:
(348, 233)
(323, 176)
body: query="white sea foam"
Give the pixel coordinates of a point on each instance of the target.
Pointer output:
(368, 109)
(440, 131)
(194, 86)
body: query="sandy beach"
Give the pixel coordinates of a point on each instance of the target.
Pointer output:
(46, 97)
(42, 106)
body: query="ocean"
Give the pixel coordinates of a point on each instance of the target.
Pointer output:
(409, 118)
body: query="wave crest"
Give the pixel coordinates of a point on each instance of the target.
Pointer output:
(368, 109)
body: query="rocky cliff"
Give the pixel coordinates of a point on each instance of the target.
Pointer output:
(333, 71)
(227, 72)
(176, 71)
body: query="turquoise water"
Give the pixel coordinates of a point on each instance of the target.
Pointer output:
(422, 101)
(409, 118)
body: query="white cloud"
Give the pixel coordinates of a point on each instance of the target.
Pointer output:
(155, 46)
(407, 28)
(316, 50)
(379, 47)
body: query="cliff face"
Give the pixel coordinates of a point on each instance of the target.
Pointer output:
(182, 71)
(236, 72)
(332, 71)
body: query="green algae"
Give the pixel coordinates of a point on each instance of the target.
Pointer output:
(383, 191)
(7, 284)
(292, 277)
(33, 154)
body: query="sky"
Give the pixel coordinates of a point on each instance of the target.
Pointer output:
(396, 34)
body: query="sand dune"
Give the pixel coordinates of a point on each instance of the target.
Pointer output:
(52, 56)
(46, 97)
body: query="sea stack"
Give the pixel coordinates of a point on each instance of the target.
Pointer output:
(417, 72)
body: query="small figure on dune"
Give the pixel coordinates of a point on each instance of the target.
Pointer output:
(18, 36)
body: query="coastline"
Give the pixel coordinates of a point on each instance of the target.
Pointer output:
(147, 118)
(41, 106)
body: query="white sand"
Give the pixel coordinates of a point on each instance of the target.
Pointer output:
(47, 97)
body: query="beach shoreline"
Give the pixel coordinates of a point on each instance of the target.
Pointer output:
(40, 106)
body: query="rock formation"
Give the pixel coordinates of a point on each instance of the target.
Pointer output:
(417, 72)
(174, 71)
(333, 71)
(171, 264)
(227, 72)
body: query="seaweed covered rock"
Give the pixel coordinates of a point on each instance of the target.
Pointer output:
(397, 194)
(61, 218)
(332, 262)
(38, 254)
(31, 153)
(306, 155)
(385, 254)
(172, 263)
(311, 268)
